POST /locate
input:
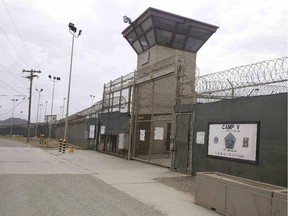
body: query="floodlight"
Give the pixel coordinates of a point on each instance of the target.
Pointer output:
(72, 27)
(126, 19)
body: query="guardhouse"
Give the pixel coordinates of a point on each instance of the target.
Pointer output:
(166, 45)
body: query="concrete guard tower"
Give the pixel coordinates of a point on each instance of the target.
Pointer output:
(166, 45)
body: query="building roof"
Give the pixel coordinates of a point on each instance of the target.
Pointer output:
(156, 27)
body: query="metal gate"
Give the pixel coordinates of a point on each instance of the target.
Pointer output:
(182, 138)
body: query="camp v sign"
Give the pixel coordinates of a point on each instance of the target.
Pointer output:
(233, 141)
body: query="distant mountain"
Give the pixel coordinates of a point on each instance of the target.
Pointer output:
(16, 121)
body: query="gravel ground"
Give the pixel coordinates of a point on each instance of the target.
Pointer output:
(184, 183)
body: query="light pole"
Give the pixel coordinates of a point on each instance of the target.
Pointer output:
(45, 111)
(92, 97)
(61, 112)
(53, 79)
(39, 92)
(41, 105)
(11, 129)
(63, 107)
(73, 31)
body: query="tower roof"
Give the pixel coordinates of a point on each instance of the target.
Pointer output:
(156, 27)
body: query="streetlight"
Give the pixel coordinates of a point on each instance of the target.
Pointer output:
(45, 111)
(41, 105)
(92, 97)
(63, 107)
(61, 112)
(11, 129)
(72, 30)
(53, 79)
(39, 92)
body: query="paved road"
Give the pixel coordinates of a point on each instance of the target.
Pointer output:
(35, 182)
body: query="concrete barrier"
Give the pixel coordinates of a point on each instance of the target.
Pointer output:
(231, 195)
(279, 203)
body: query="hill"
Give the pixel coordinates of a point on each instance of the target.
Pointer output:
(16, 121)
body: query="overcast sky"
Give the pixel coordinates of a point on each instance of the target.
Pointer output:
(249, 31)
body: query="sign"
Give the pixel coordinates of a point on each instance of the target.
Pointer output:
(92, 132)
(102, 129)
(233, 140)
(158, 133)
(200, 137)
(142, 135)
(144, 58)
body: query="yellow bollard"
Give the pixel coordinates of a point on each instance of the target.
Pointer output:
(71, 149)
(63, 146)
(46, 142)
(60, 145)
(41, 139)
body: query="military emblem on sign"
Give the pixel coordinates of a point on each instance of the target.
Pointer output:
(245, 142)
(230, 141)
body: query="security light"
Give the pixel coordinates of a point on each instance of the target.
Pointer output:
(72, 27)
(72, 30)
(126, 19)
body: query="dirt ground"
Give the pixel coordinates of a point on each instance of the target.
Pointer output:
(184, 183)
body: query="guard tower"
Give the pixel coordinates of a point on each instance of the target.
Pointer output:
(166, 45)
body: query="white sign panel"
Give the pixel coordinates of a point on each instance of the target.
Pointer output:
(142, 135)
(233, 140)
(158, 133)
(102, 130)
(144, 58)
(200, 137)
(92, 132)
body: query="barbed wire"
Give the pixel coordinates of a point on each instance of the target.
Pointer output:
(261, 78)
(266, 77)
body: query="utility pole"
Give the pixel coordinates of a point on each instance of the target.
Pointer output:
(13, 100)
(30, 77)
(39, 92)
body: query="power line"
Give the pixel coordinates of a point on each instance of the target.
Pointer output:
(11, 87)
(13, 60)
(18, 32)
(12, 44)
(9, 109)
(15, 77)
